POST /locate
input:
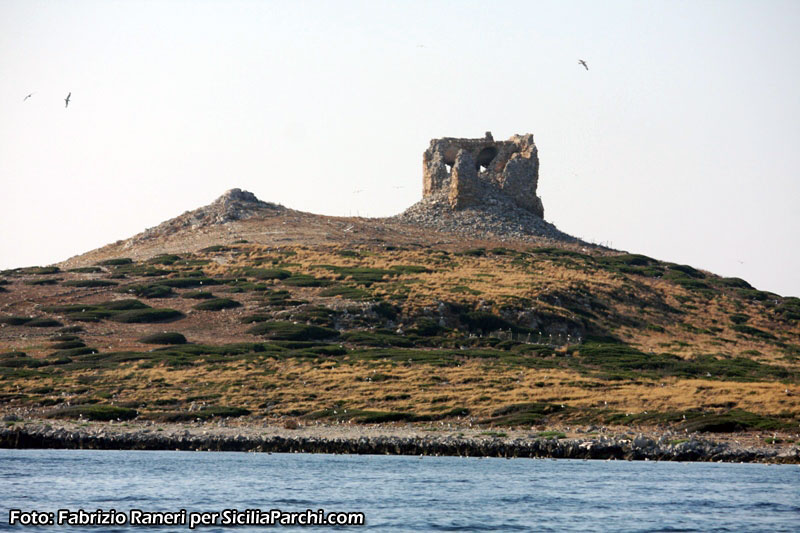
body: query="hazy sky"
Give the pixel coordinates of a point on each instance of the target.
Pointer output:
(681, 142)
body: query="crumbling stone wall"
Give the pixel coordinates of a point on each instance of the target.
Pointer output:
(470, 172)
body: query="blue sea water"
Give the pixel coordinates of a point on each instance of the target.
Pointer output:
(406, 493)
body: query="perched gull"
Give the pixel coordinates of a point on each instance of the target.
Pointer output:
(27, 97)
(582, 62)
(66, 100)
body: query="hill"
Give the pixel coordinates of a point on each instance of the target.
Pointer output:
(482, 314)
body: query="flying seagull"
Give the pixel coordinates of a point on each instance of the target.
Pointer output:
(66, 101)
(582, 62)
(27, 97)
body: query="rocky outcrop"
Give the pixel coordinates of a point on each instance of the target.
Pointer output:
(235, 204)
(470, 172)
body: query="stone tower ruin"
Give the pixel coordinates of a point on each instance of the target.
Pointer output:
(475, 172)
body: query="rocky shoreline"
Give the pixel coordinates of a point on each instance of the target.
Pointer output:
(386, 440)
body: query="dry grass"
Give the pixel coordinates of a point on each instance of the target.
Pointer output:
(301, 385)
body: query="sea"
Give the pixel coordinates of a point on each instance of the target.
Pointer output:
(88, 490)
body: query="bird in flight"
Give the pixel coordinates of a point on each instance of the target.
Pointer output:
(66, 101)
(28, 97)
(582, 62)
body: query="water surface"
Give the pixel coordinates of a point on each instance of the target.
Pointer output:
(408, 493)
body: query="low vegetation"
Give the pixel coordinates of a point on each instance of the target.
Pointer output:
(497, 337)
(217, 304)
(166, 337)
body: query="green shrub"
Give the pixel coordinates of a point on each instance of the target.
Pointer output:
(70, 329)
(87, 316)
(457, 411)
(116, 262)
(736, 283)
(485, 322)
(523, 414)
(164, 259)
(89, 283)
(215, 248)
(22, 362)
(69, 308)
(43, 323)
(750, 330)
(733, 420)
(198, 295)
(74, 352)
(386, 310)
(217, 304)
(167, 337)
(689, 271)
(292, 332)
(68, 345)
(789, 308)
(138, 270)
(86, 270)
(350, 293)
(15, 320)
(147, 291)
(739, 318)
(551, 435)
(36, 271)
(361, 275)
(758, 296)
(688, 283)
(304, 280)
(265, 273)
(639, 265)
(474, 252)
(426, 327)
(149, 315)
(123, 305)
(367, 338)
(182, 283)
(628, 259)
(321, 316)
(47, 281)
(60, 337)
(615, 360)
(410, 269)
(94, 412)
(253, 319)
(96, 312)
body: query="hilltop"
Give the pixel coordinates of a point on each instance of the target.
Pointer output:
(472, 312)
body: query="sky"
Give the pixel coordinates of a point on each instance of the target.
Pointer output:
(681, 141)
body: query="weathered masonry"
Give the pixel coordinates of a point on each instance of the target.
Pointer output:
(471, 172)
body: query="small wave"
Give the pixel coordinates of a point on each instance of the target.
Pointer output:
(293, 501)
(478, 527)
